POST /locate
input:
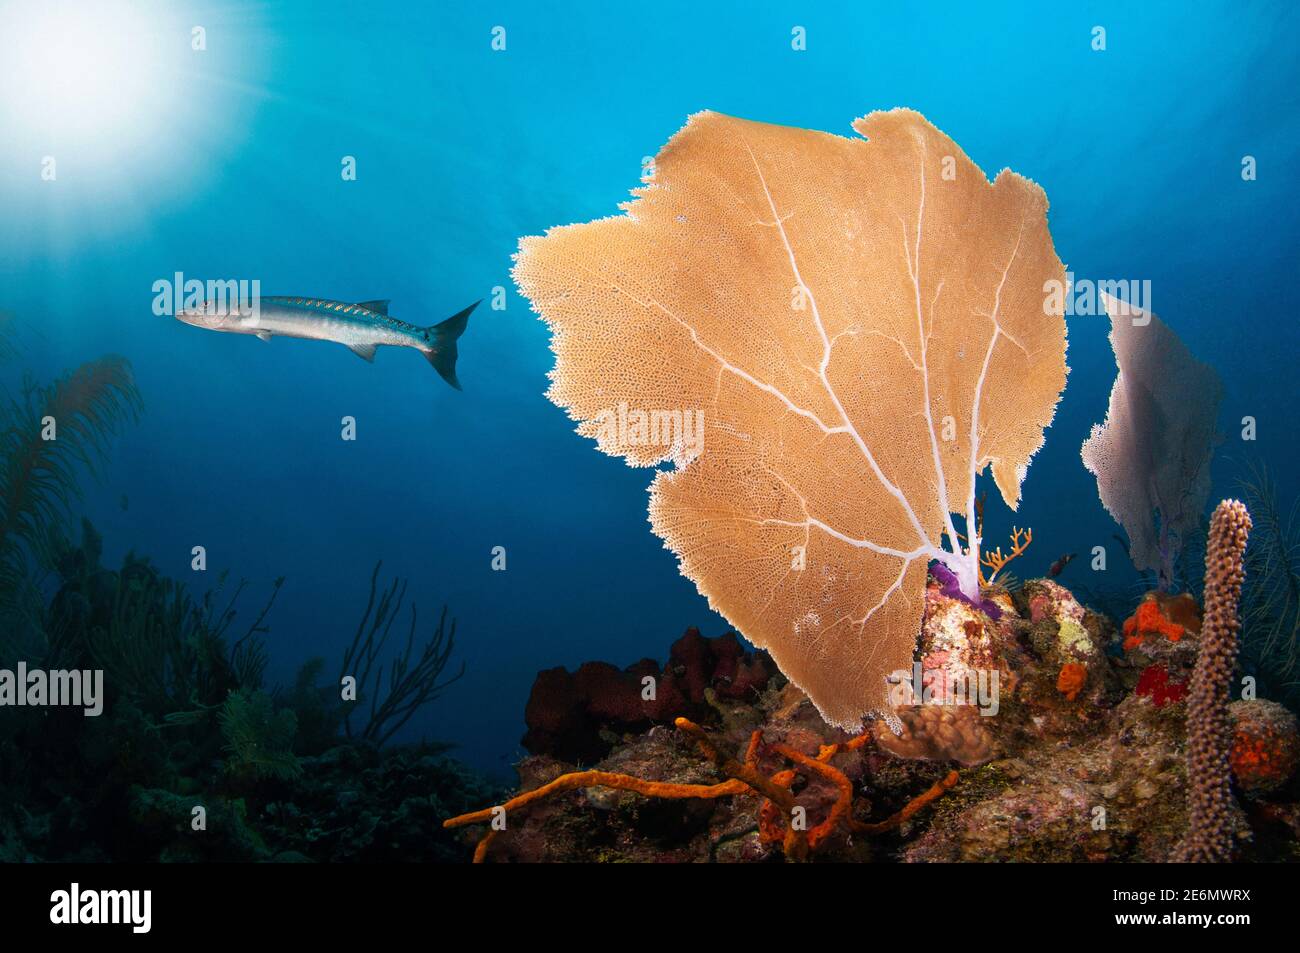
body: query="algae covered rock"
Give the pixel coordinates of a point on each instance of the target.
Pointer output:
(1046, 770)
(1265, 744)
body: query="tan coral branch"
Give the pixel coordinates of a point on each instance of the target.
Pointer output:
(995, 561)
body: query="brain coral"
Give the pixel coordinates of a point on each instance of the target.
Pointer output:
(859, 327)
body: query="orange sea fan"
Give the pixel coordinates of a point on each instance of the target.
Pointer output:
(859, 325)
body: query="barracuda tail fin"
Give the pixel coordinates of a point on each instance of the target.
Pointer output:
(442, 339)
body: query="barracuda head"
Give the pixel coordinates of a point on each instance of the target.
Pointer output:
(213, 315)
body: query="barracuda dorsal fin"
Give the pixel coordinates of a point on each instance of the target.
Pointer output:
(379, 307)
(364, 351)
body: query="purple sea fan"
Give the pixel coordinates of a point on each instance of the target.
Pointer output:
(1152, 455)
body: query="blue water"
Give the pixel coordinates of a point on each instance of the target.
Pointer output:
(460, 150)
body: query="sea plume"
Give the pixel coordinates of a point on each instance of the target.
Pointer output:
(859, 326)
(1152, 455)
(38, 476)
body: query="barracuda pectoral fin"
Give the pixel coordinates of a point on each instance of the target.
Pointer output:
(364, 351)
(263, 335)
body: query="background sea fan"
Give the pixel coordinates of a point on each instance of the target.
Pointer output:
(1152, 455)
(862, 324)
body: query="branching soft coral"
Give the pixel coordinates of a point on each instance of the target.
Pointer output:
(994, 561)
(415, 676)
(776, 814)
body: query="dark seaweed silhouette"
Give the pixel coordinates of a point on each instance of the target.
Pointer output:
(49, 435)
(185, 719)
(1271, 606)
(413, 680)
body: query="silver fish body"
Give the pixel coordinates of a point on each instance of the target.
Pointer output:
(360, 327)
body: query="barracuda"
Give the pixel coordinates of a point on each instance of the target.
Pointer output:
(360, 327)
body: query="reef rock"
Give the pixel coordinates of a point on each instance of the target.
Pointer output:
(1265, 744)
(1078, 755)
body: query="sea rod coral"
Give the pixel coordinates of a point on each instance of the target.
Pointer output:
(861, 326)
(1210, 805)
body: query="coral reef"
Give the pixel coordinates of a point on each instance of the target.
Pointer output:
(1026, 728)
(190, 758)
(1097, 777)
(187, 725)
(1210, 804)
(844, 433)
(124, 786)
(781, 820)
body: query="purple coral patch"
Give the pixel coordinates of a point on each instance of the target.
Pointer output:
(949, 586)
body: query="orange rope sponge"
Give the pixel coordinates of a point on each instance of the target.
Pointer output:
(936, 791)
(776, 813)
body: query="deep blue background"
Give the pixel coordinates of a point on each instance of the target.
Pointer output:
(461, 150)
